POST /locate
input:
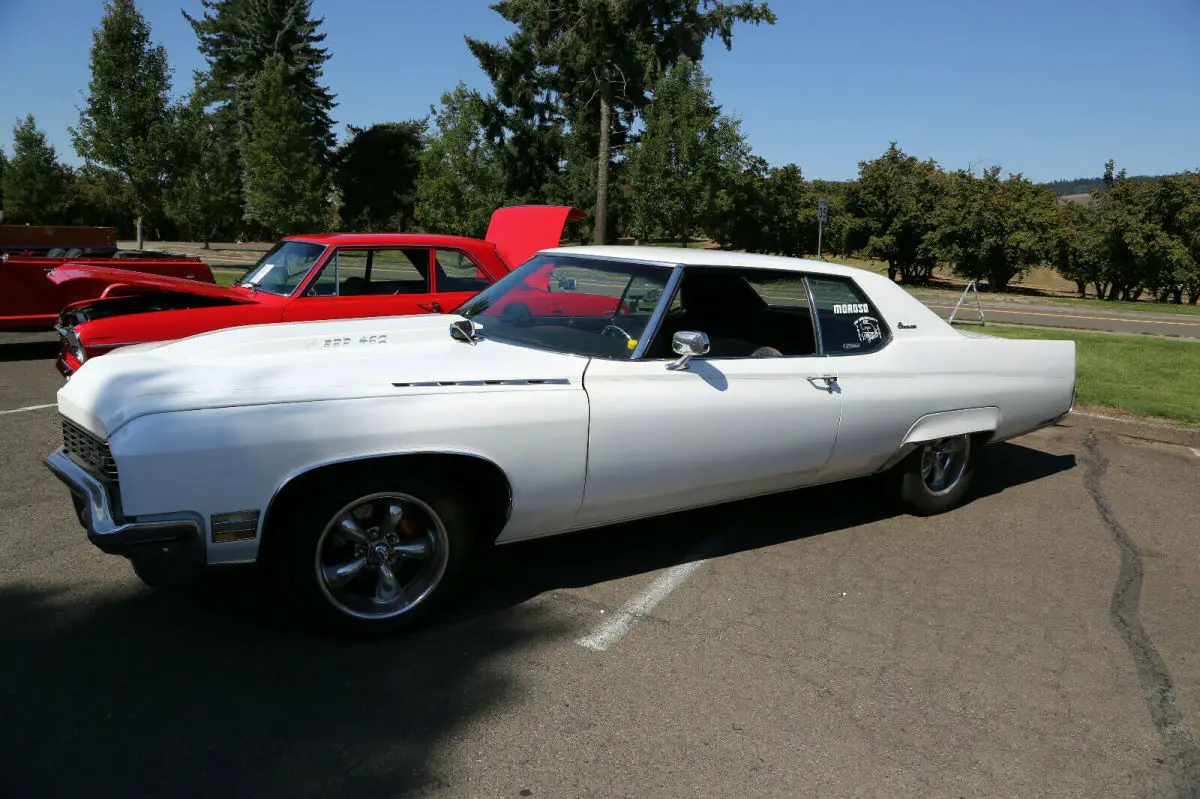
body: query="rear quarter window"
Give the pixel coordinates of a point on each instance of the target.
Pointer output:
(850, 324)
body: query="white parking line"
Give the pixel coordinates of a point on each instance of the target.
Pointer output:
(621, 622)
(30, 408)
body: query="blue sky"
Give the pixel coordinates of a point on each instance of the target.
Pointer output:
(1050, 88)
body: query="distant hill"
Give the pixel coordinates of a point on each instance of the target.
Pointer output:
(1084, 185)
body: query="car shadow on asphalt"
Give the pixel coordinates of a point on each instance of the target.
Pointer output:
(518, 572)
(218, 689)
(34, 349)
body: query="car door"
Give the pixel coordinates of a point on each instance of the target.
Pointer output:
(364, 282)
(734, 423)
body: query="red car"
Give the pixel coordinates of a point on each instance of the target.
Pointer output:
(31, 300)
(305, 278)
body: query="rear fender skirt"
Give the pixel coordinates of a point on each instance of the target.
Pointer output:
(944, 424)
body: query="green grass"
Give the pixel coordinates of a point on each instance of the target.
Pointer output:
(226, 275)
(1143, 375)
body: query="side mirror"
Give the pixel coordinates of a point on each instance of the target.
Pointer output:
(463, 330)
(687, 344)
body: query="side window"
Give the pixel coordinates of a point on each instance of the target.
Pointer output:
(400, 271)
(457, 272)
(850, 324)
(358, 273)
(744, 312)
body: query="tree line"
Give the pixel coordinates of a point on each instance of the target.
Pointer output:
(601, 104)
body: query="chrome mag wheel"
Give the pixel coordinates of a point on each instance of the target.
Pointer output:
(381, 556)
(943, 463)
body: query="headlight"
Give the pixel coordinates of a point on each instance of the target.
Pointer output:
(71, 339)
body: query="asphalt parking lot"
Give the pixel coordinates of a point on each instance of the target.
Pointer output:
(1040, 641)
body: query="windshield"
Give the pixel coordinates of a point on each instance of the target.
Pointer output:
(582, 306)
(284, 268)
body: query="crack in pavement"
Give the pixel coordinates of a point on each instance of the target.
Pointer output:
(1182, 756)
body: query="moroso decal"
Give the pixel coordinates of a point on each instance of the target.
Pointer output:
(851, 307)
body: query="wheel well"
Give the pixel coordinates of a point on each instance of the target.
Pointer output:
(482, 483)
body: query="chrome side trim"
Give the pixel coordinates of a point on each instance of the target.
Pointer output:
(526, 381)
(656, 318)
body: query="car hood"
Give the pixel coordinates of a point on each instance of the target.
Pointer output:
(301, 362)
(144, 280)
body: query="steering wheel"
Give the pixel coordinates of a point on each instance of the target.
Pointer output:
(618, 328)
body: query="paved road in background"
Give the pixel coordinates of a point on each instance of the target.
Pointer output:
(1083, 317)
(1039, 641)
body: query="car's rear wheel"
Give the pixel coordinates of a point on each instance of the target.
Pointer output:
(938, 474)
(378, 555)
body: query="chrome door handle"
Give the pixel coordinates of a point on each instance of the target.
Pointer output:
(830, 381)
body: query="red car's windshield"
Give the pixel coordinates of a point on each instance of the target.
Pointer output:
(284, 268)
(577, 305)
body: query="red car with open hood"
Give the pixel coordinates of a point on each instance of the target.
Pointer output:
(306, 278)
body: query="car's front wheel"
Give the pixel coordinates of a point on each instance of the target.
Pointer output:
(938, 474)
(377, 555)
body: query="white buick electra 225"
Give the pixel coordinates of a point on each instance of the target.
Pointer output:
(371, 461)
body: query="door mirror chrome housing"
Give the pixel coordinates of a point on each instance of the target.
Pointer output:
(687, 344)
(463, 330)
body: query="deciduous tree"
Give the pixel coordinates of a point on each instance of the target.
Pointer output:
(125, 124)
(893, 204)
(461, 182)
(992, 229)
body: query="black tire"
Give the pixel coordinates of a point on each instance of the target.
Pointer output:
(924, 496)
(309, 539)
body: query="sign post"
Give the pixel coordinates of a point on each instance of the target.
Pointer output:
(822, 216)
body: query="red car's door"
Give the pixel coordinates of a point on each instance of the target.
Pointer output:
(362, 282)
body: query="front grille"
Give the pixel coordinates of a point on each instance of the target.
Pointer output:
(89, 450)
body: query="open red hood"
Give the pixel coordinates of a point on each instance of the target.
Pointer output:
(519, 231)
(142, 280)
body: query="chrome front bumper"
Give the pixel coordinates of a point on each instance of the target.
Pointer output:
(161, 550)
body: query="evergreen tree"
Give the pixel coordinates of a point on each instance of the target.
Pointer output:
(286, 187)
(688, 151)
(125, 125)
(238, 37)
(376, 171)
(203, 196)
(35, 186)
(586, 65)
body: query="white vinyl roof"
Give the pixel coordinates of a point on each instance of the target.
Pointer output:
(690, 257)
